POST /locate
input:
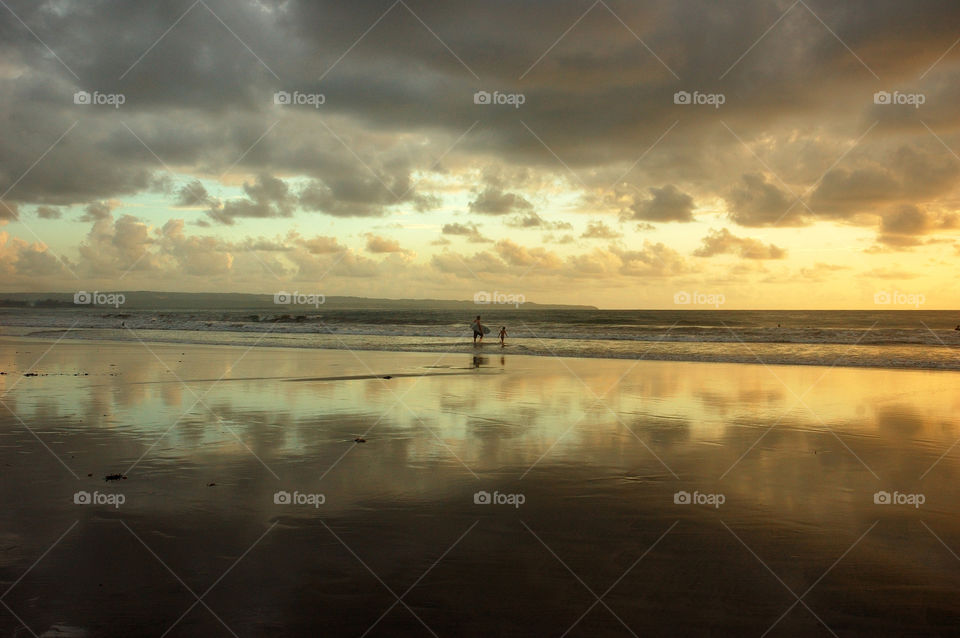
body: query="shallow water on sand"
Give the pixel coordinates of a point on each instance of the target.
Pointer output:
(587, 456)
(909, 339)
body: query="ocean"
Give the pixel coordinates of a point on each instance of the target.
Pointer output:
(883, 339)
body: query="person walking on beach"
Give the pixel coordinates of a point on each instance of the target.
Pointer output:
(503, 334)
(477, 330)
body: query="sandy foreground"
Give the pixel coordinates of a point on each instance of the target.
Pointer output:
(493, 495)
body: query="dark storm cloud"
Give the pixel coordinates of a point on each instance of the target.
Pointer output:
(904, 226)
(493, 201)
(97, 211)
(199, 98)
(193, 194)
(352, 193)
(48, 212)
(351, 202)
(266, 197)
(758, 202)
(907, 174)
(912, 220)
(667, 204)
(470, 231)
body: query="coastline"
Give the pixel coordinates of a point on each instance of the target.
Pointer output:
(945, 357)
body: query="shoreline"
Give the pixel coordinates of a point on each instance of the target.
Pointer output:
(466, 348)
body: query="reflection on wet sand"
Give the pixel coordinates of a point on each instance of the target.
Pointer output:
(208, 435)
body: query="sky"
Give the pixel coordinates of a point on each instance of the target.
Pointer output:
(749, 154)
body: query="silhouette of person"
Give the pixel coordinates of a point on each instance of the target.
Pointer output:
(477, 330)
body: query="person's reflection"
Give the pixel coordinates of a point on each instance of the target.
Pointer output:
(478, 361)
(503, 361)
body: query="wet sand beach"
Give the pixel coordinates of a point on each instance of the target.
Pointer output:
(491, 495)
